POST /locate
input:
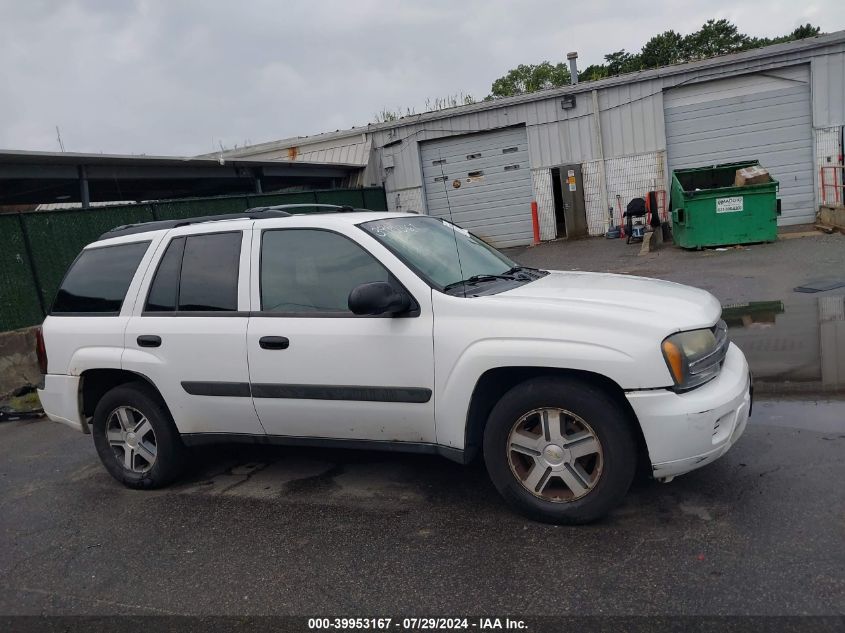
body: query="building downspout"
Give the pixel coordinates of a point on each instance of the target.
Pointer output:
(600, 146)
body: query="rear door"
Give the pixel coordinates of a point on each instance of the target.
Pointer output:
(316, 369)
(188, 331)
(89, 315)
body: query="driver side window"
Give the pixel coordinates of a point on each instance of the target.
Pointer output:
(307, 271)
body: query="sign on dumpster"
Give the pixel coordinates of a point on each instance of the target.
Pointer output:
(729, 205)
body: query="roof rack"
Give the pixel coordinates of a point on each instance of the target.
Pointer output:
(336, 208)
(256, 213)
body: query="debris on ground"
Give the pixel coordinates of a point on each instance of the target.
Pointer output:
(822, 285)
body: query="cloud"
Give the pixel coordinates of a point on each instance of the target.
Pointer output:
(178, 77)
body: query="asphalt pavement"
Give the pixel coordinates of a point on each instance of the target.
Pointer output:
(302, 531)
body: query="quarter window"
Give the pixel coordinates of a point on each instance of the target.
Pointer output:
(98, 280)
(307, 271)
(164, 291)
(197, 273)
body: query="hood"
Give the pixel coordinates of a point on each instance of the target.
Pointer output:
(654, 302)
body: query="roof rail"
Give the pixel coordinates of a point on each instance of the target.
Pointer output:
(256, 213)
(336, 208)
(158, 225)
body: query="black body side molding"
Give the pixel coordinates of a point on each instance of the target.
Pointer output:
(414, 395)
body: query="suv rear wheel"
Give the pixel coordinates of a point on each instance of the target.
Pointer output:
(560, 450)
(136, 439)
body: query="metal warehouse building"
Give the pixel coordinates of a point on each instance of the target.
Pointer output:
(584, 148)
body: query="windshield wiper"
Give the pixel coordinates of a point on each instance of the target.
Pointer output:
(476, 278)
(521, 269)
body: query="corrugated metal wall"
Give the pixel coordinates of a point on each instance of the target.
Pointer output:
(828, 90)
(631, 121)
(631, 118)
(351, 150)
(52, 239)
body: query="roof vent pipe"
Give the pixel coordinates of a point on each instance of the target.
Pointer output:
(573, 67)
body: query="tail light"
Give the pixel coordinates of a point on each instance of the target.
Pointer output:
(41, 350)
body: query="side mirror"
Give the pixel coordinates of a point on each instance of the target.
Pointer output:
(378, 297)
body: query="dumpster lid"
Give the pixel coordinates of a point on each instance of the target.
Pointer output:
(713, 176)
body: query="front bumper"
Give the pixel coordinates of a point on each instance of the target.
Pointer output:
(59, 397)
(688, 430)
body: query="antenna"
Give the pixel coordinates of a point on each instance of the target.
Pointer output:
(451, 219)
(59, 138)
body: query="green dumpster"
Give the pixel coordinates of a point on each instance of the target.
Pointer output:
(708, 210)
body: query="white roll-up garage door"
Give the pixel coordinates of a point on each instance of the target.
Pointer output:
(481, 182)
(763, 116)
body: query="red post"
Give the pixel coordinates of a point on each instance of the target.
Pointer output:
(535, 220)
(821, 182)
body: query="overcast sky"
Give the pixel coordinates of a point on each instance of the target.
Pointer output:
(180, 77)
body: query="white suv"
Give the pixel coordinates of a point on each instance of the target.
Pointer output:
(387, 330)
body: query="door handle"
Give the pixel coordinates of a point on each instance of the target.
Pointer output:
(149, 340)
(274, 342)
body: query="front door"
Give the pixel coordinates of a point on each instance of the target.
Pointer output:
(572, 197)
(317, 370)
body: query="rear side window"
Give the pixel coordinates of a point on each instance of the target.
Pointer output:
(98, 280)
(198, 273)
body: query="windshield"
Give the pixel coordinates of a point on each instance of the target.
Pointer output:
(439, 251)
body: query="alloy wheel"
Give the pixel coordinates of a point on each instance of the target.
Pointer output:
(555, 454)
(131, 437)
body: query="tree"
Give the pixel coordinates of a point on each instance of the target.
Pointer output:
(593, 72)
(530, 78)
(662, 50)
(804, 31)
(715, 37)
(621, 62)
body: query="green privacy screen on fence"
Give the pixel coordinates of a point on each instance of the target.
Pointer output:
(17, 287)
(38, 247)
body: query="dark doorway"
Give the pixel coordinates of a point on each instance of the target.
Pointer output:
(570, 209)
(560, 220)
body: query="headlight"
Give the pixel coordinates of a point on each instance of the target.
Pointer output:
(695, 357)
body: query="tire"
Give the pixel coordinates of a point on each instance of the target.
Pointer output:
(133, 419)
(583, 471)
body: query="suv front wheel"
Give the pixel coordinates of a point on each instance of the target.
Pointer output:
(560, 450)
(136, 439)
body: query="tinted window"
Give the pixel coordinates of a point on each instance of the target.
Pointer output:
(313, 271)
(209, 278)
(164, 291)
(98, 280)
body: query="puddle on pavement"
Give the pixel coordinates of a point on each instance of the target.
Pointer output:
(821, 416)
(798, 341)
